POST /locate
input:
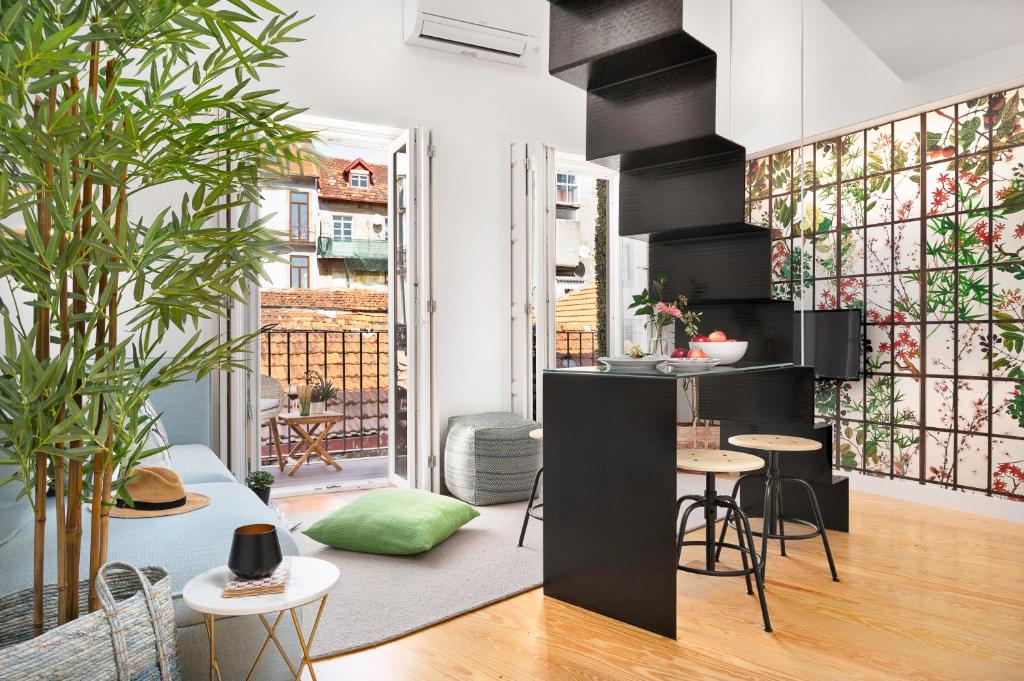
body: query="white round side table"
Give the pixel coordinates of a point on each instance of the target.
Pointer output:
(308, 580)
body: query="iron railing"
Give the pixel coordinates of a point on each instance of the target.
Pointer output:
(356, 363)
(576, 348)
(367, 249)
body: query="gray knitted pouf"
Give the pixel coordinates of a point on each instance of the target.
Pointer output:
(490, 458)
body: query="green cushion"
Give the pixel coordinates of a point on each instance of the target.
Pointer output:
(393, 522)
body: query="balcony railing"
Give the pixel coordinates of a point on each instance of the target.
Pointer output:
(364, 249)
(356, 363)
(576, 348)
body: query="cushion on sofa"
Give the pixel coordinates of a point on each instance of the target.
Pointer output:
(196, 464)
(393, 522)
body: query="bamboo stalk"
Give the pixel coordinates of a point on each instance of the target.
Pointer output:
(101, 479)
(120, 214)
(42, 353)
(67, 564)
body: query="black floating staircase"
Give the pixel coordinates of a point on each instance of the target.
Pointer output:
(651, 115)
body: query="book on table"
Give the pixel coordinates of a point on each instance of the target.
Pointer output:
(275, 583)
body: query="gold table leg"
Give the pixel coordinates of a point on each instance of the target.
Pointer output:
(210, 632)
(271, 635)
(305, 645)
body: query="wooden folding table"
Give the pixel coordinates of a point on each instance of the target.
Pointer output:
(312, 431)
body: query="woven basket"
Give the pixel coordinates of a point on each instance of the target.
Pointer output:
(131, 638)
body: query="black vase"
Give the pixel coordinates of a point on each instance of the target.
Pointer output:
(255, 551)
(263, 493)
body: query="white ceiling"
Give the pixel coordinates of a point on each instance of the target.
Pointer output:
(916, 37)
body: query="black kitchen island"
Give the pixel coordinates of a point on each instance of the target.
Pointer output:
(610, 481)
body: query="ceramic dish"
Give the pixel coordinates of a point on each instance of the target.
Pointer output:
(692, 364)
(625, 362)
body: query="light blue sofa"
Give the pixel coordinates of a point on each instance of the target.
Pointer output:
(185, 544)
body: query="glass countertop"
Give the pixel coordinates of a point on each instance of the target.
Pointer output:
(668, 373)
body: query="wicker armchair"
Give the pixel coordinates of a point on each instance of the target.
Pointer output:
(270, 389)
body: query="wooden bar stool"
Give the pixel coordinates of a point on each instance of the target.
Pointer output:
(711, 462)
(773, 517)
(533, 508)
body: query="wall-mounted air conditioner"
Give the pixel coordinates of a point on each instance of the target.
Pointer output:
(494, 30)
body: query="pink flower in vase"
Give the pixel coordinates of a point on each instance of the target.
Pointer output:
(670, 309)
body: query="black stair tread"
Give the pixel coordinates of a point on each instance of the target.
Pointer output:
(661, 108)
(697, 151)
(633, 61)
(701, 232)
(583, 31)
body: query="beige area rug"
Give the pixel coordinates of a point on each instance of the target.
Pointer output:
(381, 598)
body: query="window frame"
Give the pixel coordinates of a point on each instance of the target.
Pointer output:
(364, 179)
(345, 222)
(569, 186)
(294, 267)
(298, 232)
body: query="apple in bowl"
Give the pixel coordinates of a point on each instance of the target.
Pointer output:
(719, 346)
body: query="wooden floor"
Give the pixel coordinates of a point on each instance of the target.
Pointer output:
(925, 594)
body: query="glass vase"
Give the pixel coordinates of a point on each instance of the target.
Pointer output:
(658, 340)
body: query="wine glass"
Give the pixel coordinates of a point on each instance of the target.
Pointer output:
(293, 394)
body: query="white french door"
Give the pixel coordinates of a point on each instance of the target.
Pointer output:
(538, 243)
(410, 421)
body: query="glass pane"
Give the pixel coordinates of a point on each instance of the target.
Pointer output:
(579, 278)
(401, 304)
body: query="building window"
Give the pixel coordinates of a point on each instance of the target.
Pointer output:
(300, 271)
(385, 229)
(359, 180)
(565, 188)
(299, 215)
(343, 228)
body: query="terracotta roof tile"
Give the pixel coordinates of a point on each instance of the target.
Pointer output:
(334, 180)
(577, 310)
(349, 300)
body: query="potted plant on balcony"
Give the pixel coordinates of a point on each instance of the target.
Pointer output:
(260, 482)
(321, 394)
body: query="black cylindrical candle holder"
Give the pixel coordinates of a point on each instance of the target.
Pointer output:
(255, 551)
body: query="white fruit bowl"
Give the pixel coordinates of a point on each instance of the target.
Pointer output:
(728, 352)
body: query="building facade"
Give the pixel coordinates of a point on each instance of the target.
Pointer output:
(332, 218)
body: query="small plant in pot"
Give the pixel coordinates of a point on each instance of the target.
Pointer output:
(260, 482)
(322, 392)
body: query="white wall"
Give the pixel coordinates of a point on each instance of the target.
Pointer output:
(845, 83)
(475, 109)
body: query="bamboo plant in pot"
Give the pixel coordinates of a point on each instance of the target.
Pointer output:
(101, 102)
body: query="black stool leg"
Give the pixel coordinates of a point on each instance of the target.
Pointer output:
(710, 517)
(529, 505)
(682, 529)
(728, 513)
(769, 487)
(821, 525)
(742, 544)
(742, 521)
(779, 519)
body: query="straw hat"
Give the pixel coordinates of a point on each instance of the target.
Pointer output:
(157, 492)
